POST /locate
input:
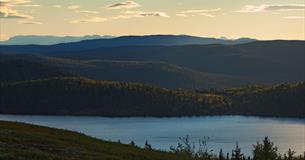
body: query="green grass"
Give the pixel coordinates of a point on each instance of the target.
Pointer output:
(20, 141)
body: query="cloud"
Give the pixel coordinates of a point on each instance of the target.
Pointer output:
(90, 20)
(124, 5)
(121, 17)
(13, 2)
(57, 6)
(7, 10)
(295, 17)
(206, 14)
(8, 13)
(17, 3)
(31, 5)
(198, 12)
(30, 22)
(73, 7)
(267, 7)
(141, 14)
(181, 15)
(88, 12)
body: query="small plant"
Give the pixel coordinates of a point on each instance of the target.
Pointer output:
(147, 146)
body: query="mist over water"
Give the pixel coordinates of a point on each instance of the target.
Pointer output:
(161, 133)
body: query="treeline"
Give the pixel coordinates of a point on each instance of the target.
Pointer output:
(286, 99)
(81, 96)
(265, 150)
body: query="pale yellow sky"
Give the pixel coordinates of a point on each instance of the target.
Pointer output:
(268, 19)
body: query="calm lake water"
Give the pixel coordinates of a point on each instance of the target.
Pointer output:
(161, 133)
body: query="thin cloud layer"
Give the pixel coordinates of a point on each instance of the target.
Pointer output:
(30, 5)
(73, 7)
(90, 20)
(57, 6)
(267, 7)
(30, 22)
(141, 14)
(13, 2)
(7, 10)
(87, 12)
(198, 12)
(295, 17)
(123, 5)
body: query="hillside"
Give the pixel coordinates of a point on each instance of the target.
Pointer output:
(18, 69)
(20, 141)
(23, 142)
(278, 100)
(149, 40)
(80, 96)
(261, 61)
(29, 67)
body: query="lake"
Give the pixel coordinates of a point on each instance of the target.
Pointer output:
(161, 133)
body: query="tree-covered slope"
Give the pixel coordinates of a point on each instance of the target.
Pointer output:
(261, 61)
(18, 69)
(279, 100)
(147, 72)
(20, 141)
(80, 96)
(30, 67)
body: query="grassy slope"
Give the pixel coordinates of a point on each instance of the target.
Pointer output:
(20, 141)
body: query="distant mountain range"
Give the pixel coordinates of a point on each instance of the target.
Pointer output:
(164, 61)
(153, 76)
(48, 40)
(111, 41)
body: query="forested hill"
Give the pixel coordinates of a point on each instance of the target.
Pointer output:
(81, 96)
(20, 69)
(31, 67)
(185, 66)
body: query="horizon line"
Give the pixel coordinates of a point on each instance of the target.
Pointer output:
(139, 35)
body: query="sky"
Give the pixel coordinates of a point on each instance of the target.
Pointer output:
(260, 19)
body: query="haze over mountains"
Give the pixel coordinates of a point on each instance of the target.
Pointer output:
(123, 40)
(48, 40)
(173, 61)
